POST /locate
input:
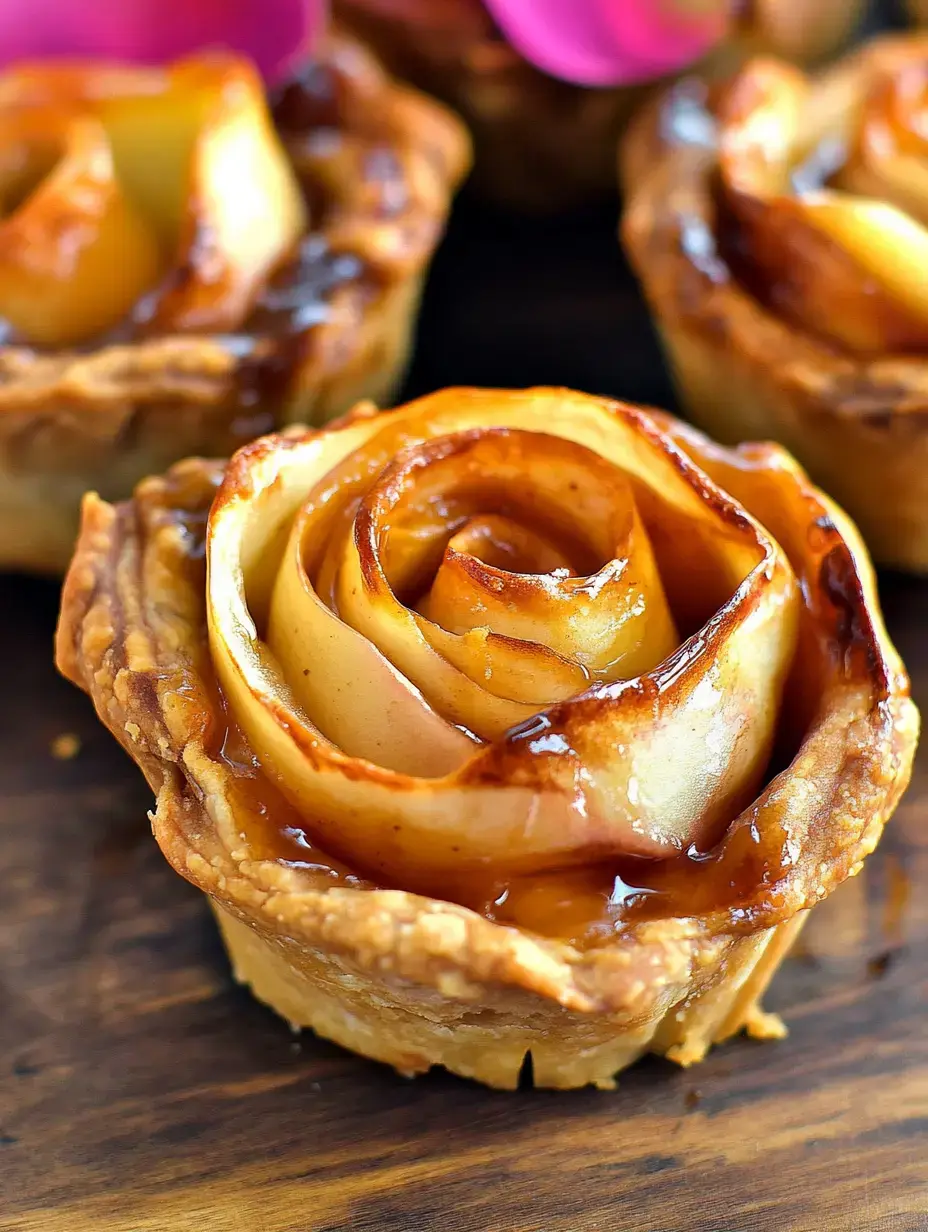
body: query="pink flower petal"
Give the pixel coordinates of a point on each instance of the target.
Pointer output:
(610, 42)
(274, 33)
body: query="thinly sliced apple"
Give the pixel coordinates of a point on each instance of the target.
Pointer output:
(204, 159)
(195, 162)
(337, 701)
(75, 252)
(841, 264)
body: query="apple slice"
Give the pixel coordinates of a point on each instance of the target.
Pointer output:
(75, 252)
(193, 161)
(206, 161)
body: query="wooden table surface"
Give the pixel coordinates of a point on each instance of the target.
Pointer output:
(141, 1090)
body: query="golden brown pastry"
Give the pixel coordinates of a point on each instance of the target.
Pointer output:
(499, 724)
(176, 275)
(778, 226)
(544, 144)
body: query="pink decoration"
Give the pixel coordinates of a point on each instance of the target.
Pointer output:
(274, 33)
(590, 42)
(611, 42)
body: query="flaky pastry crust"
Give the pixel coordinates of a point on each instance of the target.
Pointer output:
(416, 980)
(379, 174)
(746, 368)
(544, 145)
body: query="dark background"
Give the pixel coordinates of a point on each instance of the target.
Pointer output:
(517, 302)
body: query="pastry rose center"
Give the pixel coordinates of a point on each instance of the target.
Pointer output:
(488, 645)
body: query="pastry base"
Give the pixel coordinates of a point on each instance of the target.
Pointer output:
(103, 422)
(413, 1029)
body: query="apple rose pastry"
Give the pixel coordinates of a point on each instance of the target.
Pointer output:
(779, 225)
(177, 275)
(502, 724)
(548, 88)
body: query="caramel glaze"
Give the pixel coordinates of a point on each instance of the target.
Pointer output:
(586, 907)
(277, 336)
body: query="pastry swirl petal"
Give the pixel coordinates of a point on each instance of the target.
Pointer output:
(856, 239)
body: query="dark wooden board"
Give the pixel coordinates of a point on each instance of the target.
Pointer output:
(141, 1090)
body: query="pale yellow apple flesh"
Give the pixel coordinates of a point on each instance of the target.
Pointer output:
(75, 252)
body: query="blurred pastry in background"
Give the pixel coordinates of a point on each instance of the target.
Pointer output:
(181, 268)
(779, 226)
(548, 85)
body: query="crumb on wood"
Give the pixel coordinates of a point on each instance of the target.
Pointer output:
(880, 964)
(65, 746)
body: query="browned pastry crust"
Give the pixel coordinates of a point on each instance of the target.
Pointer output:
(417, 981)
(544, 145)
(102, 418)
(857, 421)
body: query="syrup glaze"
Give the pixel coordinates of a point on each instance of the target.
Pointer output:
(587, 907)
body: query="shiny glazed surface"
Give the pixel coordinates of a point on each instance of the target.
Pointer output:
(178, 170)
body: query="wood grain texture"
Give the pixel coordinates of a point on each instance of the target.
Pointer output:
(140, 1090)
